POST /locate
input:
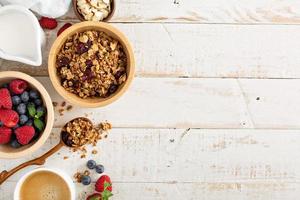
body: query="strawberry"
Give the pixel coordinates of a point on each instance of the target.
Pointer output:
(5, 99)
(48, 23)
(64, 27)
(103, 183)
(95, 196)
(18, 86)
(24, 134)
(5, 134)
(9, 118)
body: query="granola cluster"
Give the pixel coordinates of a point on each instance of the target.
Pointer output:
(80, 132)
(91, 64)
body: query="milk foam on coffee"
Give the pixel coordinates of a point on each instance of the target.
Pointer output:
(45, 185)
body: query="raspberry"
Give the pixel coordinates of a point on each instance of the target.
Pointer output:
(5, 99)
(64, 27)
(9, 118)
(48, 23)
(24, 134)
(5, 134)
(18, 86)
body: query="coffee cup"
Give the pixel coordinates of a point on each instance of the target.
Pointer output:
(45, 183)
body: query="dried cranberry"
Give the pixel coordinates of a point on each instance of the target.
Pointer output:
(88, 74)
(83, 47)
(89, 63)
(88, 44)
(84, 78)
(63, 62)
(112, 89)
(76, 84)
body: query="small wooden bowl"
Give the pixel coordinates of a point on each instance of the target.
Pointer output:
(5, 150)
(95, 101)
(79, 15)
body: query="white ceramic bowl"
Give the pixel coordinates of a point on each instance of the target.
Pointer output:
(60, 173)
(21, 36)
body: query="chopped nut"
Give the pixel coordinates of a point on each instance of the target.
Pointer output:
(94, 10)
(54, 103)
(77, 176)
(94, 151)
(105, 126)
(61, 111)
(63, 104)
(83, 156)
(86, 172)
(69, 107)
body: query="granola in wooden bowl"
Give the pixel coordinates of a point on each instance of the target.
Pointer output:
(91, 64)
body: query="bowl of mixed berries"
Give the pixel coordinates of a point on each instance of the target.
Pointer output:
(26, 114)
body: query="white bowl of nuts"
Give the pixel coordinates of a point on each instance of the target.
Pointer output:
(94, 10)
(91, 64)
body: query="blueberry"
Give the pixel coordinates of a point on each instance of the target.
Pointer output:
(23, 119)
(5, 85)
(15, 144)
(36, 135)
(16, 126)
(25, 96)
(38, 102)
(112, 89)
(99, 169)
(91, 164)
(41, 110)
(1, 123)
(29, 122)
(33, 94)
(21, 109)
(16, 100)
(86, 180)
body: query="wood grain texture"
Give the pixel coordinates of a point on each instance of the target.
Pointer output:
(208, 164)
(197, 103)
(161, 50)
(206, 11)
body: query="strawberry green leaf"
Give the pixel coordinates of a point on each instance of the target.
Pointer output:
(31, 109)
(106, 185)
(39, 124)
(106, 194)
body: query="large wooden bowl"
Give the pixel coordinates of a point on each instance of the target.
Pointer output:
(5, 150)
(95, 101)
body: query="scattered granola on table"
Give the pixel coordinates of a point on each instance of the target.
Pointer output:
(91, 64)
(69, 107)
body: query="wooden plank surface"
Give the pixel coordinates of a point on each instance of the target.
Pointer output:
(256, 51)
(197, 103)
(206, 11)
(213, 113)
(207, 164)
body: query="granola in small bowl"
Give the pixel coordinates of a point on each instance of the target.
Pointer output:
(91, 64)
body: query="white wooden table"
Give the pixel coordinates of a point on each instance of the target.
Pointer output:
(214, 110)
